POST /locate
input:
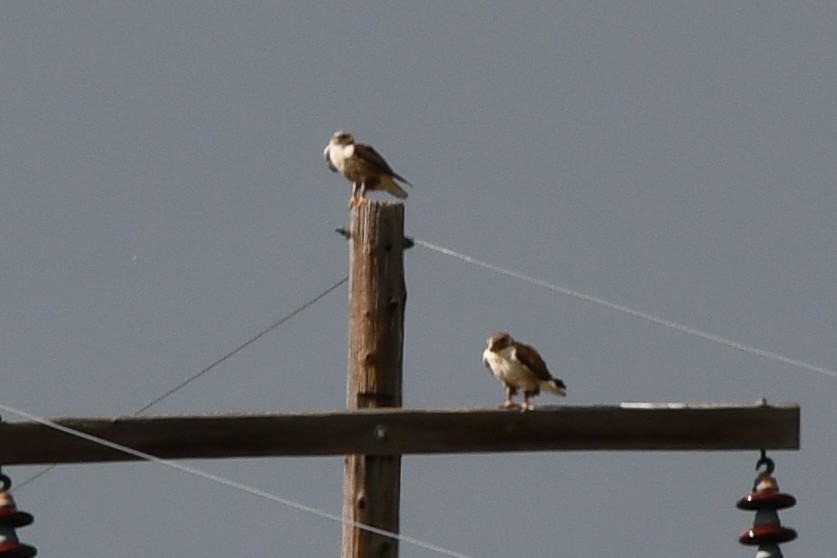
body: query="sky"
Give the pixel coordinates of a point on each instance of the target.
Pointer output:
(164, 199)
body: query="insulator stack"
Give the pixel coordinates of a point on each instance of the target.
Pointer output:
(767, 531)
(10, 518)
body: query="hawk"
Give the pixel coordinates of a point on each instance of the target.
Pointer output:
(362, 166)
(519, 367)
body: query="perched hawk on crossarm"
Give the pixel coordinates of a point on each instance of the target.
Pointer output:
(362, 166)
(519, 367)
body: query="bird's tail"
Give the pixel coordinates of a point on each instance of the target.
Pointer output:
(555, 386)
(393, 188)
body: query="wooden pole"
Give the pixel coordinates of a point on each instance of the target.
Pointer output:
(377, 295)
(627, 427)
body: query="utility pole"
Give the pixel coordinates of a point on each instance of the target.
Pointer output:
(377, 295)
(374, 432)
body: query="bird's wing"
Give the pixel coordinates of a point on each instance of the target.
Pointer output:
(530, 358)
(367, 154)
(327, 157)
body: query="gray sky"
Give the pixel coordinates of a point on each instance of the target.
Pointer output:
(164, 198)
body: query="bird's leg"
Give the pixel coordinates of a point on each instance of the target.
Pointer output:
(508, 403)
(526, 406)
(362, 196)
(353, 199)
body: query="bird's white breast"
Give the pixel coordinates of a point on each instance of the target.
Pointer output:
(339, 154)
(509, 370)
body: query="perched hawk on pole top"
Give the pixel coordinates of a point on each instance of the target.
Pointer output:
(519, 367)
(362, 166)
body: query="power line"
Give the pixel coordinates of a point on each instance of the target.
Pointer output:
(243, 346)
(212, 365)
(627, 310)
(231, 483)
